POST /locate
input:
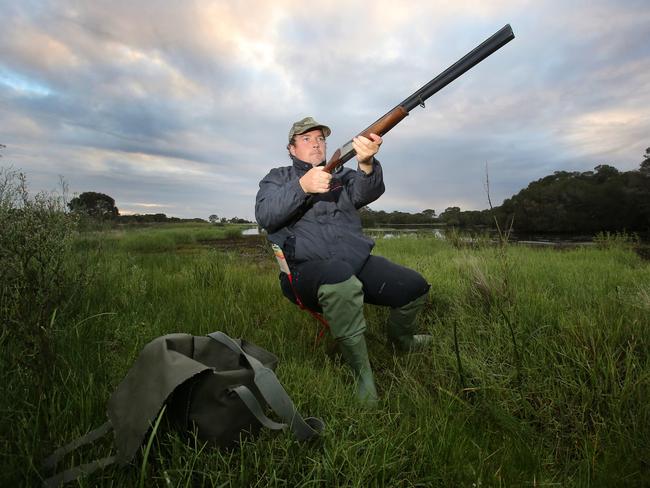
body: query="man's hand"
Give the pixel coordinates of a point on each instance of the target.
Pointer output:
(366, 150)
(316, 181)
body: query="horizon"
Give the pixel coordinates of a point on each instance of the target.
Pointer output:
(413, 212)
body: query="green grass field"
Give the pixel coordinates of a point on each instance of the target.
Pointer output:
(539, 375)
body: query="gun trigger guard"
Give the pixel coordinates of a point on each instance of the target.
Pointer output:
(421, 102)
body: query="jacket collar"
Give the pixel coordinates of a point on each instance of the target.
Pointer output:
(301, 165)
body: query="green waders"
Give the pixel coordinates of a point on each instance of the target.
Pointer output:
(401, 325)
(343, 308)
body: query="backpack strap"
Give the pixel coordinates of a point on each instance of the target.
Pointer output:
(77, 471)
(254, 406)
(274, 393)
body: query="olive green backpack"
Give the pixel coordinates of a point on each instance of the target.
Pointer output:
(212, 386)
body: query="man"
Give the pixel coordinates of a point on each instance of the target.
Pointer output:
(313, 216)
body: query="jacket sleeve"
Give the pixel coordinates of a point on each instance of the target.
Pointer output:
(278, 200)
(365, 189)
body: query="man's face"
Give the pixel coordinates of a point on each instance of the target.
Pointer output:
(309, 147)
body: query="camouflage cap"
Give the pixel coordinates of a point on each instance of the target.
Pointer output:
(305, 125)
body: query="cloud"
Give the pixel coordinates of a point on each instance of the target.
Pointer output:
(187, 105)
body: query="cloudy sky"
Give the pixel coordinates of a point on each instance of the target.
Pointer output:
(181, 107)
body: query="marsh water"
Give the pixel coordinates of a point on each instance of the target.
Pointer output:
(469, 234)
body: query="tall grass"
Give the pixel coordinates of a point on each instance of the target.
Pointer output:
(158, 238)
(573, 411)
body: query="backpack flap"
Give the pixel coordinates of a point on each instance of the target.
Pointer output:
(163, 364)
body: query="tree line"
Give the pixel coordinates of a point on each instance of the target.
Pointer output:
(604, 199)
(371, 218)
(101, 207)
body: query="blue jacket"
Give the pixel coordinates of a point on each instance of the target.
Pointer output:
(331, 226)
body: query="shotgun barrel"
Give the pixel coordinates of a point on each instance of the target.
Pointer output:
(385, 123)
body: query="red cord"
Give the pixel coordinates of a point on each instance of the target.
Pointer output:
(324, 325)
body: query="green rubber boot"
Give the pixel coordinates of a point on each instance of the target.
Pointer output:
(355, 354)
(343, 308)
(401, 325)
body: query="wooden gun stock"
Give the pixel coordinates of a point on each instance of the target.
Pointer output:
(379, 127)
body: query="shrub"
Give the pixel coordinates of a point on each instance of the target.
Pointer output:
(36, 272)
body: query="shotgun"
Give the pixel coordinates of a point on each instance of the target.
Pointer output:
(385, 123)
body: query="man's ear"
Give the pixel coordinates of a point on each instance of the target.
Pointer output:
(292, 150)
